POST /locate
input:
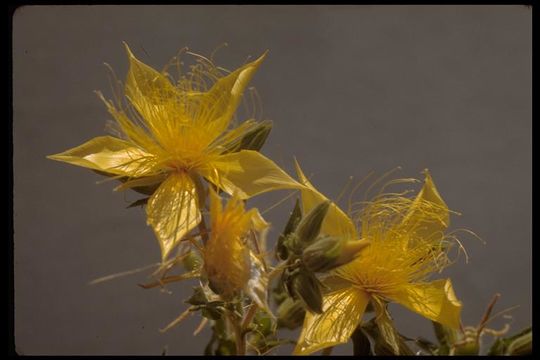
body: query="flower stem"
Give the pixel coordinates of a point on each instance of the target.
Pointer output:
(201, 193)
(238, 333)
(249, 316)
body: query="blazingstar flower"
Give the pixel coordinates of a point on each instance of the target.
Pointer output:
(171, 135)
(226, 255)
(407, 245)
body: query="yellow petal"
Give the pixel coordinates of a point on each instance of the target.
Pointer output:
(216, 107)
(111, 155)
(248, 173)
(342, 312)
(428, 215)
(336, 222)
(150, 92)
(435, 300)
(173, 211)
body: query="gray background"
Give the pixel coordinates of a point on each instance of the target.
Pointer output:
(350, 89)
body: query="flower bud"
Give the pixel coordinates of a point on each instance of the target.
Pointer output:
(192, 261)
(469, 345)
(323, 254)
(310, 226)
(351, 249)
(253, 139)
(306, 287)
(290, 314)
(329, 252)
(284, 241)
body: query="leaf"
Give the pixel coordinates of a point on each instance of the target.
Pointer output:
(220, 343)
(381, 346)
(145, 190)
(290, 314)
(361, 345)
(426, 345)
(305, 286)
(518, 344)
(446, 336)
(387, 331)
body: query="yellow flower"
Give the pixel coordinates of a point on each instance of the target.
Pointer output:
(227, 261)
(407, 245)
(173, 134)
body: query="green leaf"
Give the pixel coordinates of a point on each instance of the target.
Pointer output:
(426, 345)
(446, 337)
(361, 344)
(306, 287)
(385, 344)
(220, 342)
(387, 331)
(518, 344)
(290, 314)
(145, 190)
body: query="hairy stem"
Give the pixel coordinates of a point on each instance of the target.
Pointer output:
(238, 333)
(201, 192)
(249, 316)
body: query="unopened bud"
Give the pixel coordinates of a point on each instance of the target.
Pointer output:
(284, 242)
(309, 227)
(192, 261)
(469, 347)
(253, 139)
(323, 254)
(290, 314)
(327, 253)
(306, 287)
(351, 249)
